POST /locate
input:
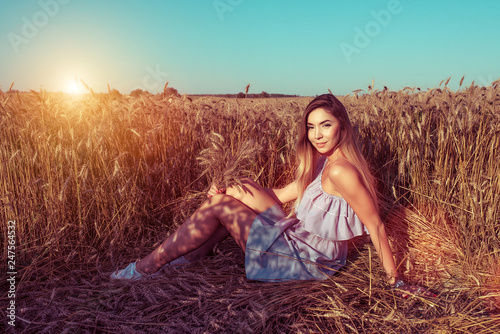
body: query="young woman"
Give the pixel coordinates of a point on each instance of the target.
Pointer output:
(335, 201)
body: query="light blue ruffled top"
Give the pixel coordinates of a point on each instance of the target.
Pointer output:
(317, 237)
(326, 215)
(325, 223)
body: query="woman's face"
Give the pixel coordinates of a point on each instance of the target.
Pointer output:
(323, 131)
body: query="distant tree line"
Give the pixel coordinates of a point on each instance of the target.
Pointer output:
(169, 91)
(241, 95)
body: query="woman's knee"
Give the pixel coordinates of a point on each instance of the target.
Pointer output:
(218, 203)
(217, 200)
(248, 186)
(252, 195)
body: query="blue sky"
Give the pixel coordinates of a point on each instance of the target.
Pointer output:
(219, 46)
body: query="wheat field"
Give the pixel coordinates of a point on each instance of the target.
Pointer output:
(98, 180)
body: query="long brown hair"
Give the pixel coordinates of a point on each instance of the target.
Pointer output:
(307, 155)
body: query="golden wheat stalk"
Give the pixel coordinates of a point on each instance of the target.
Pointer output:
(226, 165)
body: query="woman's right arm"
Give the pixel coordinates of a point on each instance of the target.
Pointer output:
(286, 194)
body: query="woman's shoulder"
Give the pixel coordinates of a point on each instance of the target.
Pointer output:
(342, 173)
(340, 167)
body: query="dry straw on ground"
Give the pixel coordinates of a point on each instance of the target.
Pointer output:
(98, 181)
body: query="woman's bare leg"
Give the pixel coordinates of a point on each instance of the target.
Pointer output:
(236, 217)
(233, 212)
(208, 246)
(253, 196)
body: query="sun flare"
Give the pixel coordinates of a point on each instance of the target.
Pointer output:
(75, 87)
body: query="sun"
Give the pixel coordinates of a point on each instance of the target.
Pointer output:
(75, 87)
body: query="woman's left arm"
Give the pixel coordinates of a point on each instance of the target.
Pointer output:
(346, 180)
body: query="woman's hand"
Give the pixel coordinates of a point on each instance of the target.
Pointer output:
(214, 191)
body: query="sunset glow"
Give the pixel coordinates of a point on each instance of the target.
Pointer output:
(75, 87)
